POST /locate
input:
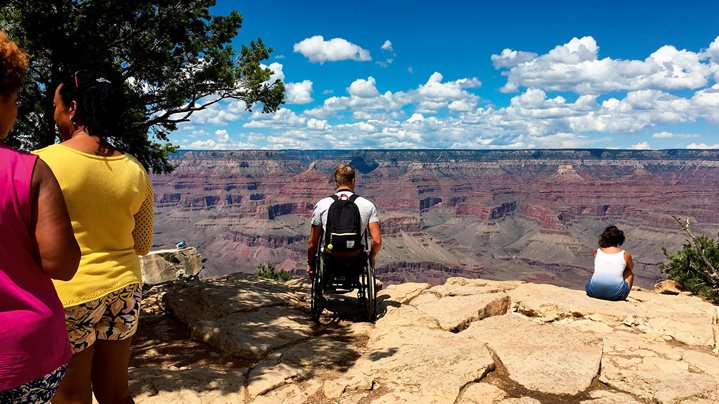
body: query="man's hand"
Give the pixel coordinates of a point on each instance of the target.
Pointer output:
(311, 271)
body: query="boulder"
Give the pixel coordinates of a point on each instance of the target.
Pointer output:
(169, 265)
(668, 287)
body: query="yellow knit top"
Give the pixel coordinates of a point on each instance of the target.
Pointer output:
(110, 202)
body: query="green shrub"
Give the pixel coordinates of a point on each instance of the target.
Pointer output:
(695, 272)
(269, 271)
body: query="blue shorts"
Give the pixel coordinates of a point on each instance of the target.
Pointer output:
(39, 390)
(607, 291)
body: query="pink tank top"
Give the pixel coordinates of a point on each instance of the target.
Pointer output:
(33, 338)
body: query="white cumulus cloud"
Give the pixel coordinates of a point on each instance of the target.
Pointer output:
(702, 146)
(363, 88)
(320, 124)
(670, 135)
(713, 50)
(641, 146)
(387, 46)
(510, 58)
(277, 71)
(317, 50)
(222, 135)
(299, 93)
(576, 66)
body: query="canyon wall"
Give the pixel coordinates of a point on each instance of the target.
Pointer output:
(531, 215)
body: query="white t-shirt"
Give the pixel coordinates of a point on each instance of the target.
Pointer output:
(368, 212)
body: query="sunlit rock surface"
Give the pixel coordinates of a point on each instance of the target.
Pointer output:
(465, 341)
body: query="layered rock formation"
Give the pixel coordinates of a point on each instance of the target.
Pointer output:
(169, 265)
(527, 214)
(466, 341)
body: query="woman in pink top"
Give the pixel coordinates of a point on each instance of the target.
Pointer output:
(613, 268)
(36, 244)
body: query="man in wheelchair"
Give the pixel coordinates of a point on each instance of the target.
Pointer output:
(335, 247)
(338, 236)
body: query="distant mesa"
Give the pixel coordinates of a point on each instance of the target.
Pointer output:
(362, 165)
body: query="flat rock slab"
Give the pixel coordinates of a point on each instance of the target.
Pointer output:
(402, 293)
(302, 361)
(250, 335)
(404, 316)
(609, 397)
(541, 357)
(464, 286)
(456, 312)
(234, 293)
(420, 365)
(191, 386)
(482, 393)
(686, 319)
(290, 393)
(658, 372)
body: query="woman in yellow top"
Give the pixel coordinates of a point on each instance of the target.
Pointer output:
(110, 201)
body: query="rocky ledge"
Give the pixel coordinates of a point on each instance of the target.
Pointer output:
(467, 341)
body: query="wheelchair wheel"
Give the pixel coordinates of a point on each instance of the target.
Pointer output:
(370, 287)
(316, 298)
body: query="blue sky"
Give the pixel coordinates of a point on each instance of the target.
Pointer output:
(477, 75)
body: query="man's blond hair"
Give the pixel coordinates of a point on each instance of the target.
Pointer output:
(344, 175)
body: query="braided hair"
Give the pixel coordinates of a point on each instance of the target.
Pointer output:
(97, 102)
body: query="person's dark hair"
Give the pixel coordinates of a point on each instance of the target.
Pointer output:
(13, 66)
(344, 175)
(97, 102)
(611, 237)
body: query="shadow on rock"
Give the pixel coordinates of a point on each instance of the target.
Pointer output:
(258, 331)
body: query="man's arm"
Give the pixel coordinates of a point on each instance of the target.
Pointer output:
(312, 243)
(376, 243)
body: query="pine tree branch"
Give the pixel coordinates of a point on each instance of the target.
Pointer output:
(712, 273)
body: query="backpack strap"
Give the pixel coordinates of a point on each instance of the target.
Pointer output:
(335, 197)
(353, 197)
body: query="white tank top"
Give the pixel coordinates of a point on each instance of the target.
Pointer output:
(609, 268)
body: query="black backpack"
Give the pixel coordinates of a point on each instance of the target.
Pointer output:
(344, 225)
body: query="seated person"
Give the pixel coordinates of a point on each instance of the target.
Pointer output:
(344, 190)
(613, 268)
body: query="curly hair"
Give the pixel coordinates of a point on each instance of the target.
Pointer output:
(13, 65)
(97, 102)
(611, 237)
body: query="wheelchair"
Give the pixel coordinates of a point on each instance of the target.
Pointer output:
(341, 275)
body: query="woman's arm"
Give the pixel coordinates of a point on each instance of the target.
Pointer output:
(56, 244)
(144, 222)
(629, 270)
